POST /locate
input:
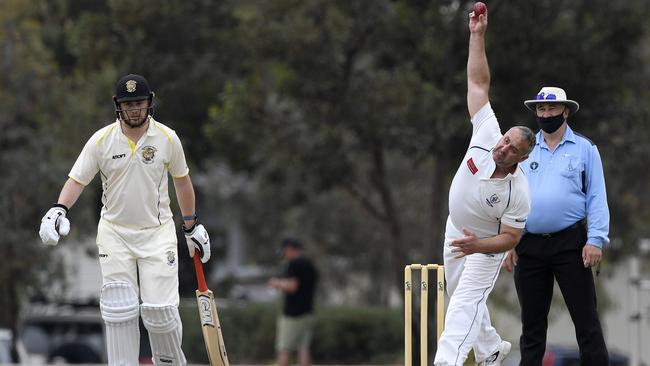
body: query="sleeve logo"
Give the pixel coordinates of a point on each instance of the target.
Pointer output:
(472, 167)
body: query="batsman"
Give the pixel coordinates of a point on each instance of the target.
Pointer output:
(136, 236)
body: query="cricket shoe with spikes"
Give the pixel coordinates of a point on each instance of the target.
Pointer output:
(498, 356)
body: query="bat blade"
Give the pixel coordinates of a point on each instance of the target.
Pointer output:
(210, 324)
(211, 327)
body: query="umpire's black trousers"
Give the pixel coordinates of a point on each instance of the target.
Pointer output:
(559, 256)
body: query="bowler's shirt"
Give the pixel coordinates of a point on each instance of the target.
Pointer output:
(134, 175)
(567, 185)
(478, 202)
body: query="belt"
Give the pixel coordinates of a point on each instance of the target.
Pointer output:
(576, 225)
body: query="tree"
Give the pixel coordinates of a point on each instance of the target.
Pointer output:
(338, 97)
(597, 51)
(348, 118)
(28, 99)
(336, 90)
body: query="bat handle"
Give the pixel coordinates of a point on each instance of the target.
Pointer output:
(198, 266)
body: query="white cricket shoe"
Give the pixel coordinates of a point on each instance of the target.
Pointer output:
(498, 356)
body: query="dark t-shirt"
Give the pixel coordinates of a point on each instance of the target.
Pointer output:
(302, 301)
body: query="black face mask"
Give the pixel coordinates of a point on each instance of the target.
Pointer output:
(550, 124)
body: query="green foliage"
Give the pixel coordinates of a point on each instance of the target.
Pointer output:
(337, 97)
(358, 335)
(344, 119)
(27, 95)
(597, 51)
(341, 334)
(248, 329)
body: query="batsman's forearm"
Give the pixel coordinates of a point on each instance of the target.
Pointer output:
(70, 193)
(185, 196)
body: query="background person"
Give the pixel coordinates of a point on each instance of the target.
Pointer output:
(565, 233)
(135, 235)
(295, 324)
(488, 206)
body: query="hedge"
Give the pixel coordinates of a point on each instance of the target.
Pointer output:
(342, 334)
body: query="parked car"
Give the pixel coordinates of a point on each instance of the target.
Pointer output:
(70, 335)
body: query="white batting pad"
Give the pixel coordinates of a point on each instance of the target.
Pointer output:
(165, 333)
(119, 306)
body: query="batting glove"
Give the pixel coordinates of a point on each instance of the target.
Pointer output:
(197, 238)
(54, 225)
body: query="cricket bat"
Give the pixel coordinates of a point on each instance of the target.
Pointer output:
(209, 319)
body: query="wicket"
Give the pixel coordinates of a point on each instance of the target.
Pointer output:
(424, 309)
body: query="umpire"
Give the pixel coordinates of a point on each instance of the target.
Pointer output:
(565, 233)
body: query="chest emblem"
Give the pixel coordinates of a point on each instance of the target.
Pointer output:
(534, 165)
(472, 167)
(493, 200)
(148, 154)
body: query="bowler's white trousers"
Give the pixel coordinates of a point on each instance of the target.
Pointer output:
(470, 280)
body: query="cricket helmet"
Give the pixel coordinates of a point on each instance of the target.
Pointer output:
(132, 87)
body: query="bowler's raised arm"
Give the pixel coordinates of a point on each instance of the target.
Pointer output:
(478, 72)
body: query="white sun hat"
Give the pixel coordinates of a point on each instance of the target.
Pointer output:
(552, 94)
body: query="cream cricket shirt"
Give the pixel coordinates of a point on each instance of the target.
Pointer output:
(134, 176)
(478, 202)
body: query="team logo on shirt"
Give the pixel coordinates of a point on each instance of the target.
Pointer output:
(534, 165)
(148, 154)
(493, 200)
(171, 258)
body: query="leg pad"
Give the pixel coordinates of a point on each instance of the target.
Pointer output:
(119, 306)
(165, 333)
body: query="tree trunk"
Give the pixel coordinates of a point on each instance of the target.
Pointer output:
(394, 256)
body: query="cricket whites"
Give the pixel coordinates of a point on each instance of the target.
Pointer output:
(209, 319)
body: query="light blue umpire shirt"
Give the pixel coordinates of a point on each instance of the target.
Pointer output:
(566, 186)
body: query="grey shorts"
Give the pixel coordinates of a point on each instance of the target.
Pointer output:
(294, 333)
